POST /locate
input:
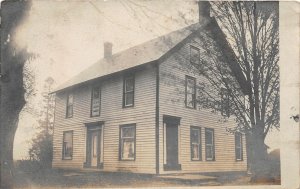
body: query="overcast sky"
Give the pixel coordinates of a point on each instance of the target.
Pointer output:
(69, 37)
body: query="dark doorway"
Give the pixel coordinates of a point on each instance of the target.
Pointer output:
(172, 149)
(172, 145)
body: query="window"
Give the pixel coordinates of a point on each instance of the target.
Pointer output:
(194, 55)
(128, 94)
(196, 151)
(67, 145)
(96, 101)
(238, 146)
(127, 142)
(209, 145)
(225, 104)
(190, 92)
(70, 101)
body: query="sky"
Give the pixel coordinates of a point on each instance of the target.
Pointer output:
(68, 37)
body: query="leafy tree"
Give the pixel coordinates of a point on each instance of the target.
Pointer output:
(13, 81)
(250, 89)
(41, 149)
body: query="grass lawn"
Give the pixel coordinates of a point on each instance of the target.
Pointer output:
(54, 178)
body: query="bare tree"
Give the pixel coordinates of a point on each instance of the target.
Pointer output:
(12, 83)
(250, 89)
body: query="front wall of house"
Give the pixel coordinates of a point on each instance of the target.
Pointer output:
(172, 103)
(113, 115)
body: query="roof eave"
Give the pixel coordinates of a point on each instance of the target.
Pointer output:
(105, 76)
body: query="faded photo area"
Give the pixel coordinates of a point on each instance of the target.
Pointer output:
(132, 93)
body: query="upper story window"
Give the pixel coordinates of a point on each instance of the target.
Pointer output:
(194, 55)
(96, 101)
(67, 152)
(225, 103)
(190, 92)
(128, 91)
(70, 101)
(127, 142)
(238, 146)
(209, 145)
(196, 151)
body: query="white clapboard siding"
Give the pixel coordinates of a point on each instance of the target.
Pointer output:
(172, 102)
(113, 115)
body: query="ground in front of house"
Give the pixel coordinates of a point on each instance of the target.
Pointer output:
(54, 178)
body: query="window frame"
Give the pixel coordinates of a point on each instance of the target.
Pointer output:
(92, 100)
(186, 92)
(199, 144)
(121, 142)
(212, 145)
(69, 106)
(63, 145)
(198, 51)
(126, 92)
(237, 134)
(225, 110)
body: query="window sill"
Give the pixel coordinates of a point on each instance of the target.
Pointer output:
(196, 160)
(67, 158)
(131, 106)
(95, 115)
(126, 159)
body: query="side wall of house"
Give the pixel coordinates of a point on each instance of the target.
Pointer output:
(172, 73)
(113, 115)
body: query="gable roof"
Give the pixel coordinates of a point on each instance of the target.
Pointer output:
(138, 55)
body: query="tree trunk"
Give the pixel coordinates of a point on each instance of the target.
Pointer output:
(12, 102)
(9, 127)
(257, 154)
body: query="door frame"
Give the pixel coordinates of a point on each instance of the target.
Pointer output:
(90, 128)
(174, 122)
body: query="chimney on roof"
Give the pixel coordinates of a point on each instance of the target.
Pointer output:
(204, 10)
(107, 49)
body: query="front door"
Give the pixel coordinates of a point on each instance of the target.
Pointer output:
(94, 147)
(172, 145)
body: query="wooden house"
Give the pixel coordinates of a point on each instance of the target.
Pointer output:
(135, 111)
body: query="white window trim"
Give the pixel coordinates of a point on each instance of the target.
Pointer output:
(199, 143)
(132, 138)
(211, 145)
(187, 78)
(131, 91)
(64, 157)
(92, 102)
(240, 148)
(70, 105)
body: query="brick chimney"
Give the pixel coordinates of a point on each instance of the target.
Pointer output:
(204, 10)
(107, 49)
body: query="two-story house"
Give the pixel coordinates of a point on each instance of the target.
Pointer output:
(136, 111)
